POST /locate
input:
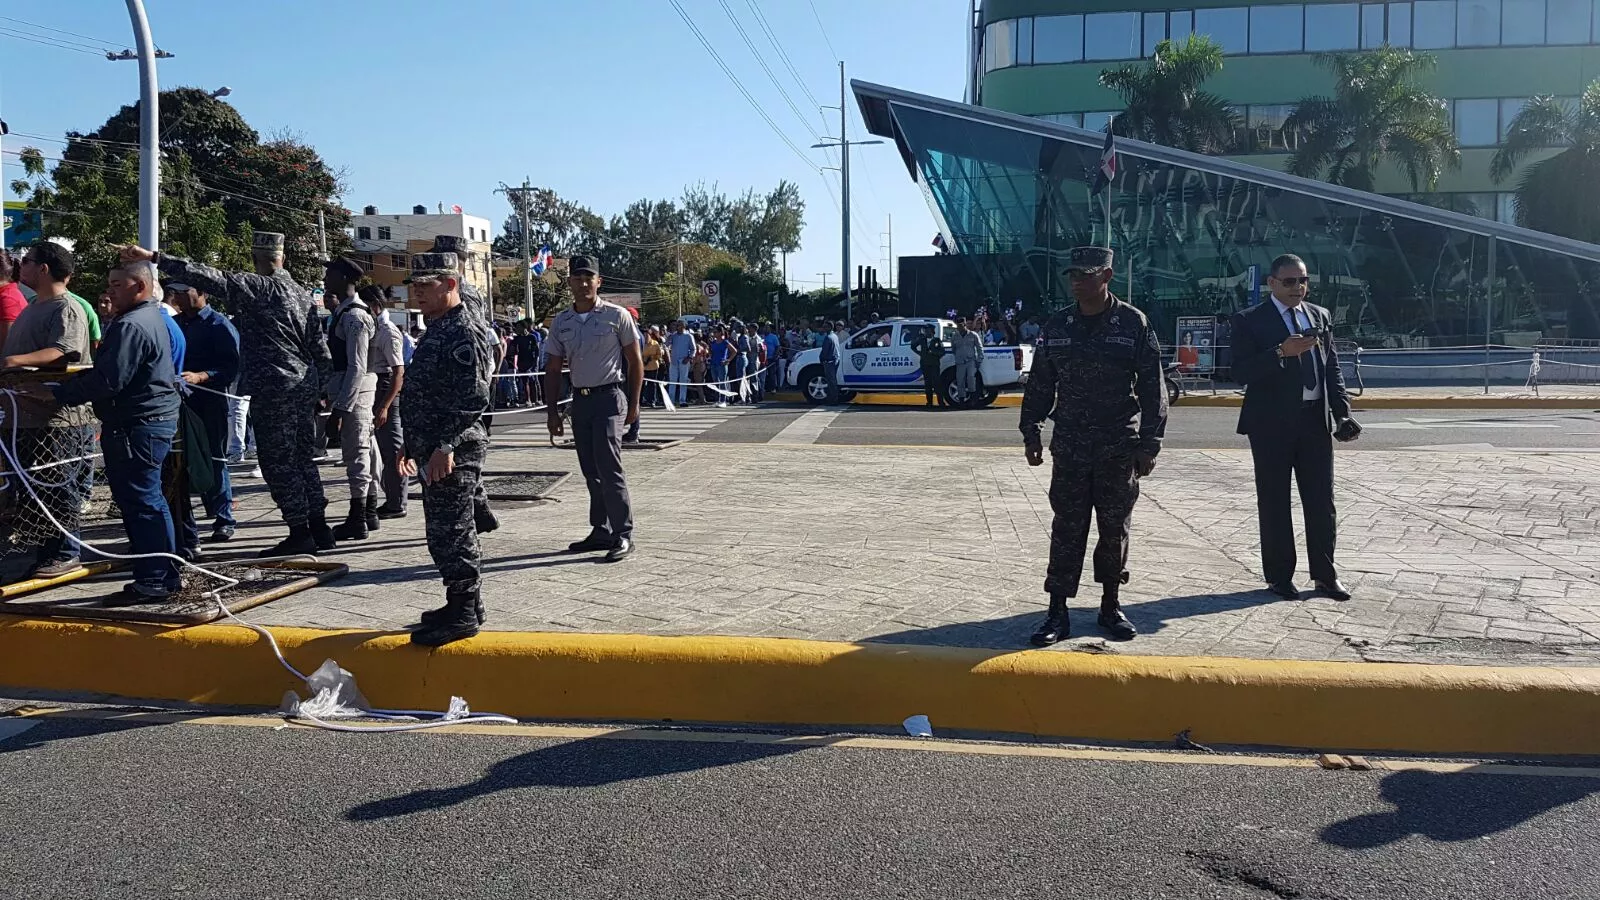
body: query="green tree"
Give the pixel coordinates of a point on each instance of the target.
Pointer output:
(1378, 112)
(550, 293)
(1559, 194)
(1164, 100)
(565, 226)
(754, 227)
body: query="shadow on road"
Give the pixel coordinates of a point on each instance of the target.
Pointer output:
(1455, 806)
(587, 763)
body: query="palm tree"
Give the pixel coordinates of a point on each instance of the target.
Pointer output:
(1556, 194)
(1377, 113)
(1164, 100)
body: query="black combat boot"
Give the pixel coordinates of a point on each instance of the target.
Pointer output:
(457, 622)
(298, 543)
(435, 616)
(354, 527)
(372, 512)
(1056, 623)
(320, 532)
(483, 517)
(1111, 617)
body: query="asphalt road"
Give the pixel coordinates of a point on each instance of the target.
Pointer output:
(113, 810)
(1189, 428)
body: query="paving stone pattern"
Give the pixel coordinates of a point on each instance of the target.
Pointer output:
(1453, 557)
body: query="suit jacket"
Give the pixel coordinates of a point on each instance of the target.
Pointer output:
(1273, 389)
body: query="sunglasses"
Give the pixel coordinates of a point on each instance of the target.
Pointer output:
(1292, 282)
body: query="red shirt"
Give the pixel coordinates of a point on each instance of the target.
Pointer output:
(12, 303)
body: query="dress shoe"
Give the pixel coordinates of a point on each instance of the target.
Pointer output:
(1285, 589)
(1057, 624)
(619, 551)
(595, 541)
(1113, 620)
(1334, 589)
(391, 512)
(220, 534)
(55, 568)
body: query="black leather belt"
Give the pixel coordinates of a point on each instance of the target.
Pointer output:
(584, 392)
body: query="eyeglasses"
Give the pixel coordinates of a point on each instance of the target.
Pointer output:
(1292, 282)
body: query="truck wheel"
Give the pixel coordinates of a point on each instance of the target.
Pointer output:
(814, 385)
(986, 396)
(1173, 393)
(947, 390)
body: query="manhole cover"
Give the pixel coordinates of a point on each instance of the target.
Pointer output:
(259, 582)
(519, 485)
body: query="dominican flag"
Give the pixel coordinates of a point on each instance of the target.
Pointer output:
(1108, 163)
(541, 261)
(938, 241)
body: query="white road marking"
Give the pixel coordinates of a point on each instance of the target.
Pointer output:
(807, 428)
(10, 728)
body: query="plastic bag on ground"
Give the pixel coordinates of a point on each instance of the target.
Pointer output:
(919, 726)
(334, 695)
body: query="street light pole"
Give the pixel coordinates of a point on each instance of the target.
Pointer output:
(149, 130)
(844, 144)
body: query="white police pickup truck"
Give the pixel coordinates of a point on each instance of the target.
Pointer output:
(879, 358)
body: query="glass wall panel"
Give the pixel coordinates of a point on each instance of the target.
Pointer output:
(1399, 24)
(1509, 107)
(999, 42)
(1522, 22)
(1181, 24)
(1477, 23)
(1155, 31)
(1372, 32)
(1024, 48)
(1477, 122)
(1567, 22)
(1594, 23)
(1434, 24)
(1186, 239)
(1229, 27)
(1097, 121)
(1276, 29)
(1057, 39)
(1333, 26)
(1111, 36)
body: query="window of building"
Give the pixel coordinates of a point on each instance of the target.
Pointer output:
(397, 260)
(1025, 42)
(1594, 19)
(1155, 31)
(1477, 23)
(363, 233)
(1567, 21)
(383, 233)
(1400, 24)
(1371, 25)
(1057, 39)
(1276, 29)
(1477, 122)
(1333, 26)
(1506, 208)
(1180, 25)
(1522, 23)
(1073, 119)
(1097, 121)
(1509, 107)
(1111, 36)
(998, 45)
(1229, 27)
(1433, 24)
(1266, 128)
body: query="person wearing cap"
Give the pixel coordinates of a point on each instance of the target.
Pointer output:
(211, 364)
(680, 351)
(283, 365)
(387, 427)
(444, 397)
(600, 343)
(1096, 371)
(479, 307)
(352, 342)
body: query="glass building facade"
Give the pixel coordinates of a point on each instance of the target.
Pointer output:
(1193, 235)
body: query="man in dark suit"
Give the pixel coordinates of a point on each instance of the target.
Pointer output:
(1294, 406)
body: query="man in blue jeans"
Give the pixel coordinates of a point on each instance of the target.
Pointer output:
(211, 364)
(134, 392)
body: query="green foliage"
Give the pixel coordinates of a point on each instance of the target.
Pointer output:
(220, 183)
(1378, 113)
(1558, 194)
(1164, 100)
(550, 294)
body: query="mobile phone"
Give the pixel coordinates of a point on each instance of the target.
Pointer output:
(1311, 333)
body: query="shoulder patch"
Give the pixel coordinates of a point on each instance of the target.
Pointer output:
(463, 354)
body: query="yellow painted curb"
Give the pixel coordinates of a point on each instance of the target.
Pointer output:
(1372, 706)
(1232, 400)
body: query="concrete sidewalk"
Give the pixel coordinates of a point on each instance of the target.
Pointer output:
(1550, 396)
(1475, 558)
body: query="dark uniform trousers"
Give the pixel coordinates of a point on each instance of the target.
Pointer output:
(930, 382)
(598, 417)
(391, 440)
(1304, 445)
(1098, 478)
(447, 511)
(285, 437)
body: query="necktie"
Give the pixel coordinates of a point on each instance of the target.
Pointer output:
(1310, 368)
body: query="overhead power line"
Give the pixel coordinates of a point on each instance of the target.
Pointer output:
(48, 42)
(783, 55)
(793, 107)
(38, 27)
(824, 30)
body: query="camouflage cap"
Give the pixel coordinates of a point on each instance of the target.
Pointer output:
(267, 240)
(346, 267)
(430, 266)
(1090, 258)
(449, 243)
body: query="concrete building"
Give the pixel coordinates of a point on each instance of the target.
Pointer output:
(1043, 58)
(382, 243)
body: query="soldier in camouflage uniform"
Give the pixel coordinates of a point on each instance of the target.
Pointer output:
(480, 308)
(1097, 367)
(283, 366)
(445, 395)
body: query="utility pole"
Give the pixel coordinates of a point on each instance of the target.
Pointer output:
(149, 130)
(844, 143)
(679, 249)
(892, 264)
(824, 280)
(527, 252)
(322, 236)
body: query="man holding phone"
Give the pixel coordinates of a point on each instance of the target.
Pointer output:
(1295, 405)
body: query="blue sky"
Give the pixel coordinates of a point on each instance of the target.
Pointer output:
(606, 101)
